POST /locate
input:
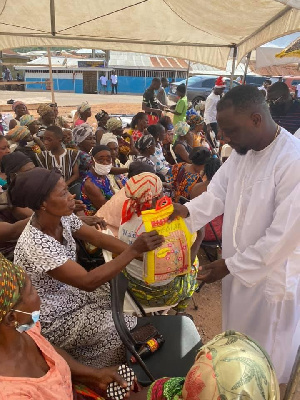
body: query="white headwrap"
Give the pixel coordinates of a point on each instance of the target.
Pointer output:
(108, 138)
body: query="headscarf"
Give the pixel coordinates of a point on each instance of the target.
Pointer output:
(18, 103)
(12, 279)
(140, 190)
(195, 119)
(18, 133)
(113, 124)
(44, 109)
(30, 189)
(26, 120)
(231, 366)
(145, 142)
(181, 128)
(83, 107)
(81, 132)
(109, 138)
(100, 115)
(13, 162)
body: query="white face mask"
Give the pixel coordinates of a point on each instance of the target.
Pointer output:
(102, 169)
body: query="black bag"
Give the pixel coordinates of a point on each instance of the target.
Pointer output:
(86, 260)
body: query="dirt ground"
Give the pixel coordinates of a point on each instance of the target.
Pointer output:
(207, 317)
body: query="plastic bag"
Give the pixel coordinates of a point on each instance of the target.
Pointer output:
(173, 257)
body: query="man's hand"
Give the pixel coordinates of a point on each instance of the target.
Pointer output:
(179, 211)
(213, 272)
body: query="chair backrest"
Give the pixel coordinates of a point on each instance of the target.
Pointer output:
(118, 287)
(293, 387)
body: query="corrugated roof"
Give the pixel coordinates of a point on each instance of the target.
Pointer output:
(275, 70)
(120, 59)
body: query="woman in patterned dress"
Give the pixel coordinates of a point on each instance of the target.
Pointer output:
(96, 188)
(184, 176)
(76, 305)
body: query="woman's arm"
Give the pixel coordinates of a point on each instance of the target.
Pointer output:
(75, 174)
(133, 149)
(181, 151)
(100, 240)
(12, 231)
(119, 170)
(75, 275)
(12, 124)
(84, 374)
(94, 194)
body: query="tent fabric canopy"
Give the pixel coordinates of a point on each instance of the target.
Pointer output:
(197, 30)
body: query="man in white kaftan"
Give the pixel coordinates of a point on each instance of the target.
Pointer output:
(258, 191)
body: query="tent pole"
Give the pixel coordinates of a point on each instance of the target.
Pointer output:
(51, 75)
(233, 65)
(188, 73)
(246, 67)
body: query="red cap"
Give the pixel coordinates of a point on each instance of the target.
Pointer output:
(220, 82)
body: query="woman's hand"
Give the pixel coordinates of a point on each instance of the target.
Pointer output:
(97, 222)
(147, 241)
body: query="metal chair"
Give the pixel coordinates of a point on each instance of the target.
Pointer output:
(182, 340)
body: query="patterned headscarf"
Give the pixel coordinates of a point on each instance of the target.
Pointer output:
(27, 119)
(231, 366)
(12, 279)
(145, 142)
(113, 124)
(18, 103)
(83, 107)
(194, 120)
(109, 138)
(81, 132)
(18, 133)
(44, 109)
(181, 128)
(140, 190)
(100, 115)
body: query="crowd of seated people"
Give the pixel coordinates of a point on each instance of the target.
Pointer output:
(61, 183)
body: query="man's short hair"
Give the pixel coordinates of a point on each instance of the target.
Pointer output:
(242, 98)
(163, 79)
(280, 88)
(268, 81)
(156, 80)
(58, 132)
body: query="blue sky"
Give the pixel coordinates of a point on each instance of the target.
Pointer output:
(286, 40)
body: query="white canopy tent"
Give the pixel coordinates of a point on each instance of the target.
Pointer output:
(196, 30)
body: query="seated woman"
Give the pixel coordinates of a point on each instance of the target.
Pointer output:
(181, 146)
(24, 141)
(84, 112)
(111, 211)
(4, 149)
(210, 168)
(116, 177)
(96, 189)
(146, 148)
(196, 122)
(56, 156)
(35, 369)
(138, 126)
(101, 117)
(47, 118)
(76, 305)
(142, 191)
(231, 366)
(125, 141)
(161, 165)
(184, 176)
(168, 140)
(84, 139)
(20, 109)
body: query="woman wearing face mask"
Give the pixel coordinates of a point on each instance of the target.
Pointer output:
(96, 188)
(36, 369)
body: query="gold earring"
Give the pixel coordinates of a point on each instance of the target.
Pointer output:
(16, 324)
(43, 208)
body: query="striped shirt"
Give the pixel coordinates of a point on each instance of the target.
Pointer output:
(65, 165)
(291, 120)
